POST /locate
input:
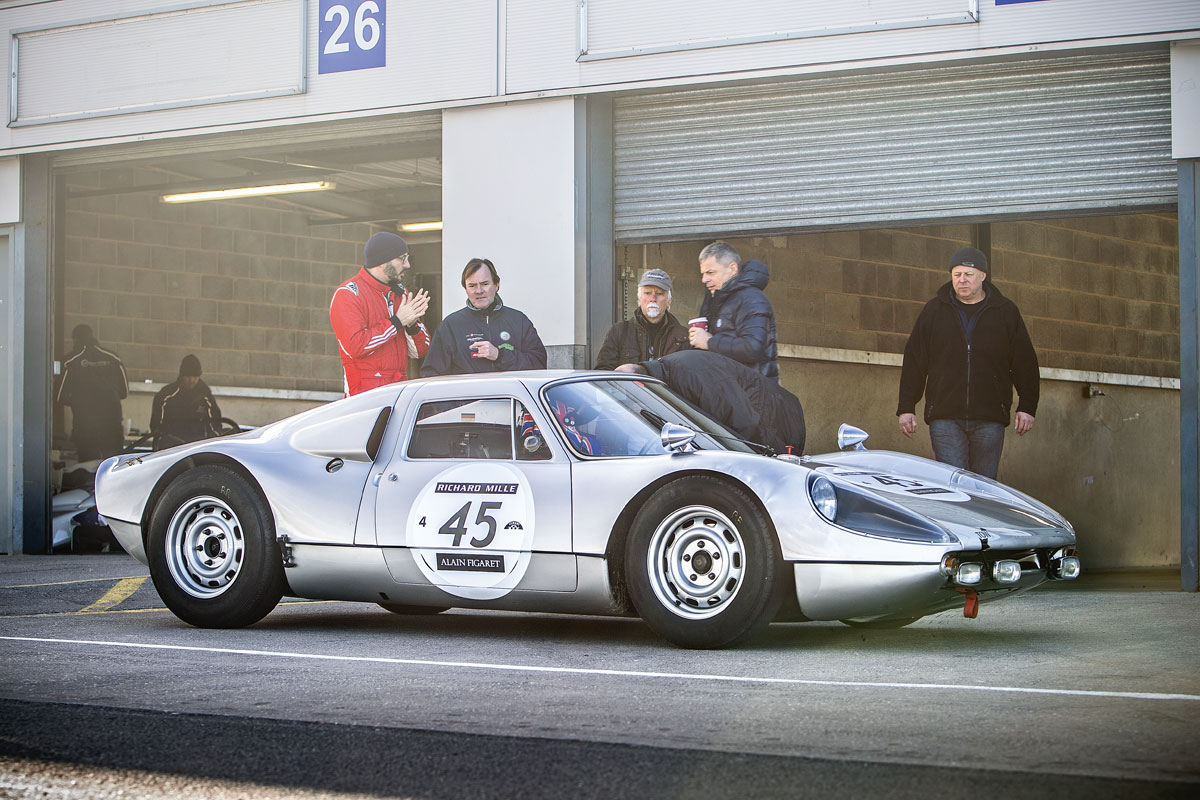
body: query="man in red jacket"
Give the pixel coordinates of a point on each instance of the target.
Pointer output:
(376, 320)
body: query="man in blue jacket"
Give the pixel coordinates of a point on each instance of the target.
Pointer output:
(740, 319)
(486, 336)
(968, 349)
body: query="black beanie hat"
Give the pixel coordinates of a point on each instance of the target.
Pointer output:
(83, 334)
(969, 257)
(189, 367)
(382, 247)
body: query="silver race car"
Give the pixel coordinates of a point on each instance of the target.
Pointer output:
(571, 492)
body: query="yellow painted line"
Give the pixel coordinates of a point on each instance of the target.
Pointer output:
(63, 583)
(115, 596)
(148, 610)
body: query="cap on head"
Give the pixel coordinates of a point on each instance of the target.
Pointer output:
(189, 367)
(83, 334)
(382, 247)
(656, 277)
(969, 257)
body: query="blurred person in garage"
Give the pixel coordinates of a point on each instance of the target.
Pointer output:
(185, 409)
(376, 320)
(486, 335)
(93, 385)
(738, 319)
(652, 332)
(968, 349)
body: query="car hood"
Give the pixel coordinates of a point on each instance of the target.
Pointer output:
(975, 513)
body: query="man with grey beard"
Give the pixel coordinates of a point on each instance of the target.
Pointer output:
(652, 333)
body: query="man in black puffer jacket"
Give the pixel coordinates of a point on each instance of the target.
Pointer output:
(740, 319)
(754, 407)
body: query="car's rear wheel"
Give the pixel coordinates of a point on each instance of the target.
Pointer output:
(702, 563)
(400, 608)
(212, 550)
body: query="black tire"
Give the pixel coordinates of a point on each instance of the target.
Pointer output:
(881, 624)
(213, 555)
(400, 608)
(694, 518)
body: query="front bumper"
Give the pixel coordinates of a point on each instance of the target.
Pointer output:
(827, 591)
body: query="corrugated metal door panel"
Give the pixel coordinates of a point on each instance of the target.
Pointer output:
(1074, 134)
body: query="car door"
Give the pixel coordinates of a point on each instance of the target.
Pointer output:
(475, 499)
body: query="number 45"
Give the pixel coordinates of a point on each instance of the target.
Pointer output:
(456, 526)
(366, 28)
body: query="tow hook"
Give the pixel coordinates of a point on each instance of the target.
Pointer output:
(971, 604)
(285, 550)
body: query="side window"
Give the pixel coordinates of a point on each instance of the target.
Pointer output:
(531, 442)
(480, 429)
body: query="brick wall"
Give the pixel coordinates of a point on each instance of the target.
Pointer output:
(1097, 293)
(243, 285)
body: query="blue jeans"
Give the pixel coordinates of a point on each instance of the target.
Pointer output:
(972, 445)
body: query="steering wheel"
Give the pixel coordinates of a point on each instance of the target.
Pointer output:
(227, 427)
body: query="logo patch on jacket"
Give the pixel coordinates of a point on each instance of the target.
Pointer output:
(505, 335)
(352, 286)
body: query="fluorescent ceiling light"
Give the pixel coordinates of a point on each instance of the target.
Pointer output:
(414, 227)
(249, 191)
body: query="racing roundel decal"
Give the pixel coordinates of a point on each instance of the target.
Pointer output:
(471, 529)
(895, 484)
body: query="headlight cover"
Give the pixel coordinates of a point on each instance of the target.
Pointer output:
(824, 498)
(847, 507)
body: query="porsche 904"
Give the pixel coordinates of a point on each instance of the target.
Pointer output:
(568, 492)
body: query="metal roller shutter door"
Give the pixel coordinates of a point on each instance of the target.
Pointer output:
(1066, 135)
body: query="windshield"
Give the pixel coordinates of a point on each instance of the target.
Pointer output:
(616, 417)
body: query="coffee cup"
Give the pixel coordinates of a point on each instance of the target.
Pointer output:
(699, 322)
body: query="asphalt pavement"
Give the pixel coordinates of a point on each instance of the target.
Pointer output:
(1085, 689)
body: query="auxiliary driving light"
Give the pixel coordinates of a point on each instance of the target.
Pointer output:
(1006, 572)
(968, 574)
(1066, 568)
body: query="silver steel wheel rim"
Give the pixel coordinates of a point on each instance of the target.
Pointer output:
(205, 547)
(695, 561)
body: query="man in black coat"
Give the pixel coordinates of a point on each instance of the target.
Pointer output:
(742, 399)
(968, 349)
(740, 320)
(93, 385)
(184, 410)
(652, 333)
(486, 336)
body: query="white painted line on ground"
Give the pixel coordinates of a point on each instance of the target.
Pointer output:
(620, 673)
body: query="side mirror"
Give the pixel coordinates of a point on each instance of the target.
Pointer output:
(677, 438)
(851, 438)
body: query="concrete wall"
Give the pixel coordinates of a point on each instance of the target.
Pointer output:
(1097, 293)
(1109, 464)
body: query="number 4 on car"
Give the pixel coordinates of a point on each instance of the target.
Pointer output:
(569, 492)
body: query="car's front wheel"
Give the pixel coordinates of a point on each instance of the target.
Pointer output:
(212, 550)
(702, 563)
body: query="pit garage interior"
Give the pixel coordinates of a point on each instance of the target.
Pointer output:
(245, 284)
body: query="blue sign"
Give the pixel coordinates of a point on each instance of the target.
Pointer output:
(352, 35)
